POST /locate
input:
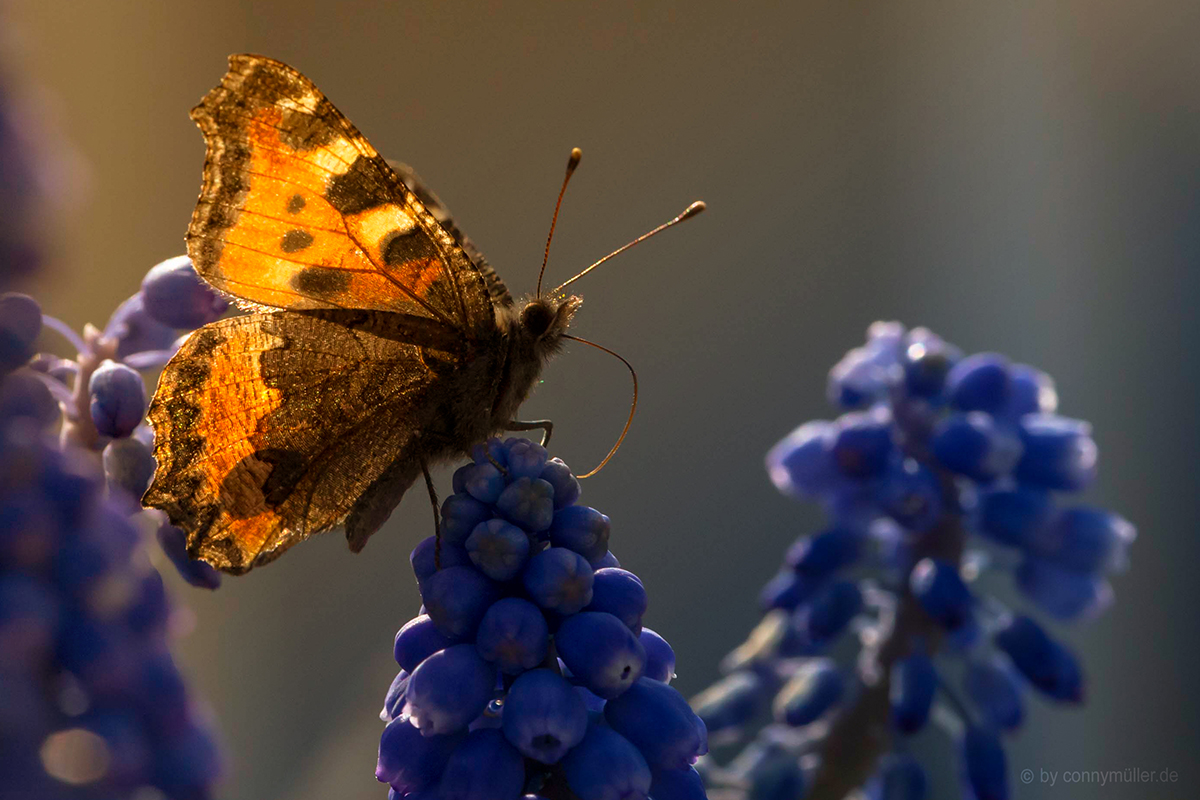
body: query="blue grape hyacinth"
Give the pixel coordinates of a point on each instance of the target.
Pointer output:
(940, 470)
(93, 704)
(98, 397)
(529, 672)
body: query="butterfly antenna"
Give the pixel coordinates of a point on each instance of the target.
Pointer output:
(689, 212)
(632, 406)
(572, 163)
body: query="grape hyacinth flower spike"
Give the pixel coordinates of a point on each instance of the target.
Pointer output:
(97, 399)
(93, 704)
(530, 672)
(941, 468)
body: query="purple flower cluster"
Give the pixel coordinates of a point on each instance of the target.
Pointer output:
(528, 671)
(942, 469)
(101, 391)
(94, 705)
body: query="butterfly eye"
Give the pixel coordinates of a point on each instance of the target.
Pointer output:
(536, 318)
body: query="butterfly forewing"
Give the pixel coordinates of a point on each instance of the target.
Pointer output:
(298, 210)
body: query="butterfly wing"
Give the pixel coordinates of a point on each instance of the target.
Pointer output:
(299, 211)
(496, 288)
(270, 427)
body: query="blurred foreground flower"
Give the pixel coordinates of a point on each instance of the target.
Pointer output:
(943, 470)
(100, 394)
(92, 705)
(529, 671)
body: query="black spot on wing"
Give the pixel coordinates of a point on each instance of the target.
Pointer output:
(359, 188)
(264, 479)
(287, 468)
(203, 343)
(301, 130)
(295, 240)
(241, 490)
(398, 247)
(318, 280)
(295, 204)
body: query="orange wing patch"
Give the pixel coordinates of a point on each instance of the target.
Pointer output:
(270, 427)
(213, 383)
(298, 211)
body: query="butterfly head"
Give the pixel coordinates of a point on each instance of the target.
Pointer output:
(544, 320)
(535, 334)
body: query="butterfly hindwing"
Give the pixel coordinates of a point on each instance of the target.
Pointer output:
(270, 427)
(299, 211)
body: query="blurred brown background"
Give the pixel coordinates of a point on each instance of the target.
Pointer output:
(1018, 176)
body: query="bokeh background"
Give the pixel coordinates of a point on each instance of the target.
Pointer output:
(1019, 176)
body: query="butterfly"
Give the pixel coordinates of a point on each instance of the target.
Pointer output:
(380, 341)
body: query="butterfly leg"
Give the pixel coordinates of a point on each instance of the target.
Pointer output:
(488, 455)
(437, 517)
(544, 425)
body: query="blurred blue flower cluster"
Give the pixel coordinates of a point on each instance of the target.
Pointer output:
(93, 705)
(941, 474)
(528, 671)
(100, 394)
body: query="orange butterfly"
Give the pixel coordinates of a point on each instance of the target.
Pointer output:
(382, 341)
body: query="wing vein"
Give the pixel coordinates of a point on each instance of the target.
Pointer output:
(243, 209)
(281, 290)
